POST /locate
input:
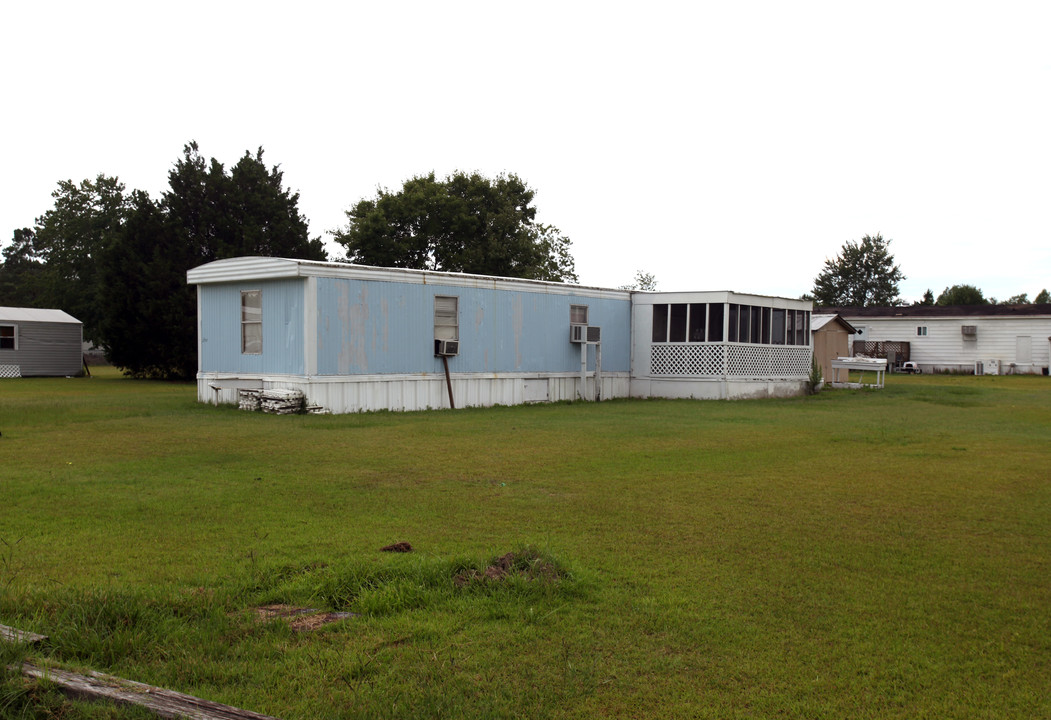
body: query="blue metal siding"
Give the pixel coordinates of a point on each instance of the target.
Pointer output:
(387, 327)
(282, 328)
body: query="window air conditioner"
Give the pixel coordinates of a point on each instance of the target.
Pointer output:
(594, 333)
(969, 330)
(446, 348)
(578, 333)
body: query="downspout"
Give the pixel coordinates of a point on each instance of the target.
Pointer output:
(598, 372)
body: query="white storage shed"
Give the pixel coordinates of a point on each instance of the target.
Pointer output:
(42, 342)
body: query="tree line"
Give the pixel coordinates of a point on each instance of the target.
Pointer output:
(117, 260)
(864, 274)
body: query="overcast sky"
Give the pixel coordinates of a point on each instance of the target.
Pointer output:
(717, 145)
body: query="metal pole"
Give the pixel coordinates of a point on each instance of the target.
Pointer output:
(583, 371)
(448, 382)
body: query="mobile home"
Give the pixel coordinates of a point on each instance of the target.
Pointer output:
(354, 338)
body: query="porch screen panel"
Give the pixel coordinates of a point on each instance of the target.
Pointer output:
(778, 327)
(677, 333)
(715, 322)
(660, 323)
(698, 318)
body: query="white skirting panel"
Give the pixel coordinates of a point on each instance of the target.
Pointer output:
(716, 388)
(362, 393)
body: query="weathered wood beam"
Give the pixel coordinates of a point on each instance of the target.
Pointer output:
(164, 703)
(15, 635)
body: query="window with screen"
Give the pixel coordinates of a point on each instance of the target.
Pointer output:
(252, 322)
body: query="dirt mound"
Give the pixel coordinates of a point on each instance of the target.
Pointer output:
(527, 564)
(397, 547)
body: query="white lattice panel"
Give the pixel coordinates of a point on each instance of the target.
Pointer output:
(675, 359)
(768, 361)
(744, 361)
(10, 371)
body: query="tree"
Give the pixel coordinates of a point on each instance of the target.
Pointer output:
(149, 312)
(1042, 297)
(557, 262)
(961, 295)
(20, 273)
(928, 298)
(464, 223)
(244, 212)
(644, 281)
(863, 274)
(69, 239)
(1021, 299)
(207, 214)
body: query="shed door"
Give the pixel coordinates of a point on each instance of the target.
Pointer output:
(1023, 349)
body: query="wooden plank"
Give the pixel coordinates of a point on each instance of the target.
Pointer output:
(164, 703)
(15, 635)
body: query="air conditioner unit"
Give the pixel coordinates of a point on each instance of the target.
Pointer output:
(969, 330)
(578, 333)
(446, 348)
(594, 334)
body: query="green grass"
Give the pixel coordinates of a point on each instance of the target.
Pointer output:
(878, 554)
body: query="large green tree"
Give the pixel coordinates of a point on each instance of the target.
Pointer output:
(1042, 297)
(246, 211)
(206, 214)
(148, 311)
(21, 272)
(68, 241)
(961, 295)
(862, 275)
(465, 223)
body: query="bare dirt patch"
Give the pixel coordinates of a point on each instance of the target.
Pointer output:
(298, 618)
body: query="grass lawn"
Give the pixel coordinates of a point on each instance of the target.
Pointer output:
(857, 554)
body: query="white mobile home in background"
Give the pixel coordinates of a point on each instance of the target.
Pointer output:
(352, 338)
(962, 338)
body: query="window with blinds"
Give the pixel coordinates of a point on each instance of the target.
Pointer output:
(446, 324)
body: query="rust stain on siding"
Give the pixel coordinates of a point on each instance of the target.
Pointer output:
(385, 330)
(353, 320)
(517, 323)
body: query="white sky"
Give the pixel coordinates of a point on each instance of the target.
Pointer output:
(718, 145)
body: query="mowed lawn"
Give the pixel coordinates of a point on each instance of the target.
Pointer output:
(857, 554)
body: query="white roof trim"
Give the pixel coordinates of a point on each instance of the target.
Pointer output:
(13, 314)
(243, 269)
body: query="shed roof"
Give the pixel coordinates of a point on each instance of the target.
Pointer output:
(820, 320)
(16, 314)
